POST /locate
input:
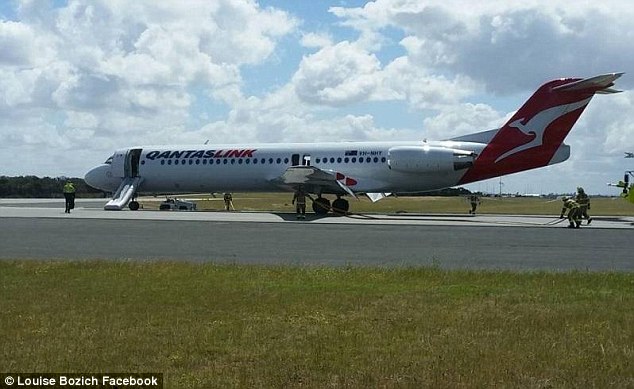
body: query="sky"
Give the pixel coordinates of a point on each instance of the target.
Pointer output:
(81, 78)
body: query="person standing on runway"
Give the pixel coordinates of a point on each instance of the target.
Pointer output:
(69, 196)
(299, 199)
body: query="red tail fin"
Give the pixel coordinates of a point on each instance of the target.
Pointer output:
(532, 137)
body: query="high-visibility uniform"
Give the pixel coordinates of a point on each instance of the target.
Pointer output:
(574, 212)
(69, 196)
(584, 204)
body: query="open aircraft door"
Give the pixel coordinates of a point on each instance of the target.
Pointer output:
(305, 160)
(125, 163)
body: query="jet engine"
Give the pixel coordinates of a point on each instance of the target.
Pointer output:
(428, 159)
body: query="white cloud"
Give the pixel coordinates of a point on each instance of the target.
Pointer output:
(462, 119)
(339, 74)
(314, 40)
(508, 46)
(122, 69)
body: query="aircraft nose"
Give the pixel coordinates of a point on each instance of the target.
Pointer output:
(97, 177)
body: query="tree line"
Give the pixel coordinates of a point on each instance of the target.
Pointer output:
(47, 187)
(44, 187)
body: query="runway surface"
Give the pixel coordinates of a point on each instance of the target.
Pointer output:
(39, 229)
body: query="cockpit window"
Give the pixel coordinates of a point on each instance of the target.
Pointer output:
(109, 161)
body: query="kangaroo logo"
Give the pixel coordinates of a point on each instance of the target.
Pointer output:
(537, 125)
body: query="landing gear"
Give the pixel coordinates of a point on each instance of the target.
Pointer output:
(134, 205)
(321, 206)
(340, 206)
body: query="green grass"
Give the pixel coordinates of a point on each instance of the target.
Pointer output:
(281, 202)
(206, 325)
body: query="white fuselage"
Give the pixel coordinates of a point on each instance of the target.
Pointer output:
(368, 166)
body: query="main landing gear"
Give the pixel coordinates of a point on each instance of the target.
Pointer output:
(321, 206)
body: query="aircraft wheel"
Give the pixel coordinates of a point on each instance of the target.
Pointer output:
(321, 206)
(340, 206)
(134, 205)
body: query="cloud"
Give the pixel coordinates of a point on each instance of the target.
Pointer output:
(506, 46)
(339, 74)
(314, 40)
(132, 68)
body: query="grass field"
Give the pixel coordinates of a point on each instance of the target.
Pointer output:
(281, 202)
(206, 325)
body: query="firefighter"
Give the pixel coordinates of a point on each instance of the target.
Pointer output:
(584, 204)
(299, 199)
(574, 212)
(474, 200)
(228, 202)
(69, 196)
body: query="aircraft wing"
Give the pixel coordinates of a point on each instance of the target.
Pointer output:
(315, 180)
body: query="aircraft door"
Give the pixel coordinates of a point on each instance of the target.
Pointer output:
(125, 163)
(304, 162)
(133, 157)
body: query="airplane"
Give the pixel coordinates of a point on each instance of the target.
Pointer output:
(532, 138)
(629, 155)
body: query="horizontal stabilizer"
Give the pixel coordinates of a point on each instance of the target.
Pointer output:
(600, 84)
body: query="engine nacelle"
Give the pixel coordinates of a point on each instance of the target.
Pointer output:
(428, 159)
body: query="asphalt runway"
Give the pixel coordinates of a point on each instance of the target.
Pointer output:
(39, 229)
